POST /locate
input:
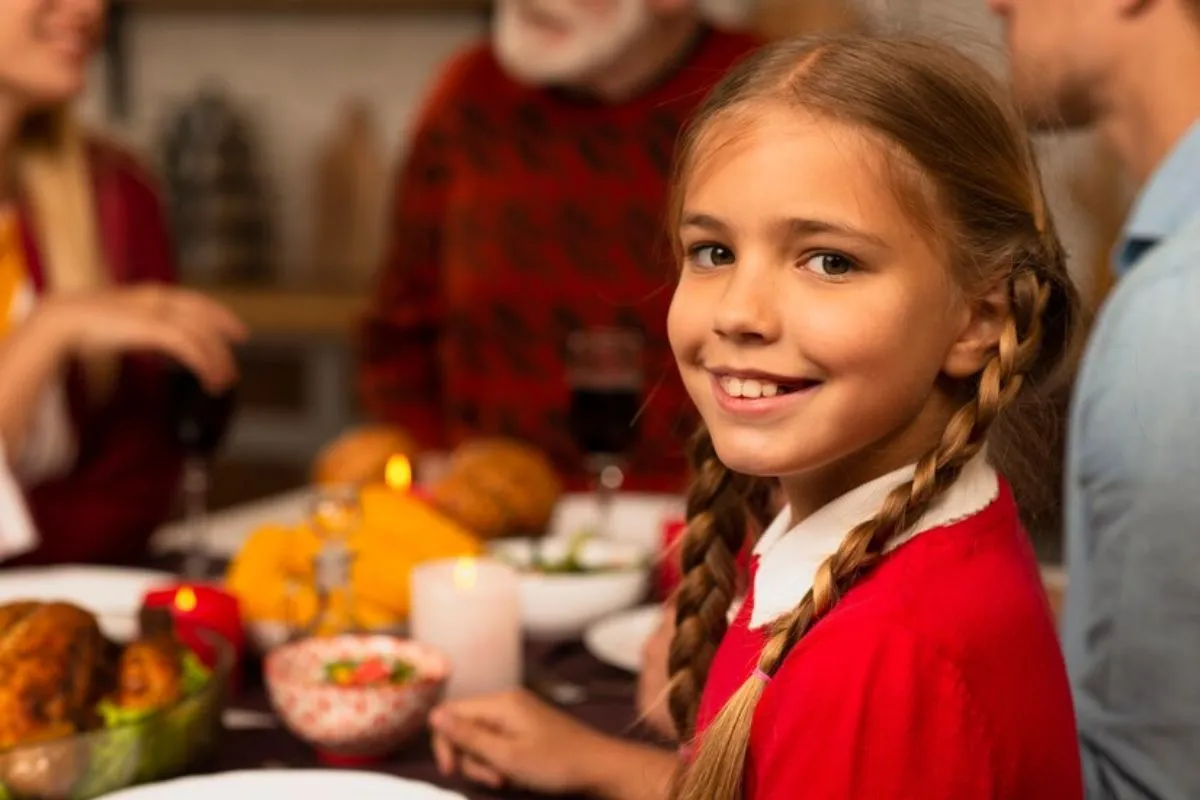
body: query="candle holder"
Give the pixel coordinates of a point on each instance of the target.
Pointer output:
(190, 611)
(469, 610)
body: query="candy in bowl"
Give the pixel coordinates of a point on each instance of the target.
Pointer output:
(354, 697)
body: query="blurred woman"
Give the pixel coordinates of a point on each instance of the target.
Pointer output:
(78, 215)
(184, 325)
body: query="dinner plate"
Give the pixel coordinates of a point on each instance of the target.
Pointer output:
(618, 640)
(227, 530)
(287, 783)
(113, 594)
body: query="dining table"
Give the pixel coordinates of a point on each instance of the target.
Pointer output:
(599, 695)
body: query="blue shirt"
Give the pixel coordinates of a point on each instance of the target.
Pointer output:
(1131, 629)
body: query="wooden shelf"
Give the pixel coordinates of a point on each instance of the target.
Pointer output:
(310, 312)
(324, 6)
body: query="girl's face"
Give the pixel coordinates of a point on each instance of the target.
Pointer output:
(813, 318)
(45, 46)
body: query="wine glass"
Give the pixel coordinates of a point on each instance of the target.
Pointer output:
(604, 369)
(335, 514)
(199, 421)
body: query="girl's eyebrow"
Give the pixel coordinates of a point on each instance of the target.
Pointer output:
(794, 227)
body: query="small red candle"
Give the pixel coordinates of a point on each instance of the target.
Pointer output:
(196, 608)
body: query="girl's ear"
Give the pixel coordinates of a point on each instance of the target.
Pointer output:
(980, 336)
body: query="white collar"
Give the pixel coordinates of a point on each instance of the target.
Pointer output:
(788, 557)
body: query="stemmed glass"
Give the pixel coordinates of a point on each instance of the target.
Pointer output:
(199, 422)
(604, 368)
(335, 514)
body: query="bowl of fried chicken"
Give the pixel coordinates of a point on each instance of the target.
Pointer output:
(82, 715)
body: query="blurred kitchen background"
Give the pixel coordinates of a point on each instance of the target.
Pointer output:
(274, 124)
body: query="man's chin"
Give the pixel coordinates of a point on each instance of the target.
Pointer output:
(1045, 112)
(536, 72)
(526, 61)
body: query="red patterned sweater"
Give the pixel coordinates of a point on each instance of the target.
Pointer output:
(520, 215)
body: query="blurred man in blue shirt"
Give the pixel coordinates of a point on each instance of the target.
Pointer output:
(1132, 623)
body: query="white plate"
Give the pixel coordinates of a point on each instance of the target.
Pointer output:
(299, 783)
(636, 518)
(113, 594)
(229, 529)
(618, 640)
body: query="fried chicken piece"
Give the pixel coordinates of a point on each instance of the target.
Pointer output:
(50, 671)
(150, 674)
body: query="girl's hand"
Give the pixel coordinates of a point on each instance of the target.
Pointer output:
(514, 739)
(653, 679)
(180, 323)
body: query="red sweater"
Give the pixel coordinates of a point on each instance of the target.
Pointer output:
(520, 215)
(937, 677)
(124, 479)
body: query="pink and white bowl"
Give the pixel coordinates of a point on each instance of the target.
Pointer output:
(350, 725)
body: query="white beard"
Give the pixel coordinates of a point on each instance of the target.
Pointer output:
(531, 54)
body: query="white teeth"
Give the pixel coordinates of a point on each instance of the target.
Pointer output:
(749, 388)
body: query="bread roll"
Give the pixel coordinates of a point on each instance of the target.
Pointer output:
(361, 455)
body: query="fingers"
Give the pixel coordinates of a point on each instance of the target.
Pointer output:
(480, 772)
(444, 755)
(451, 762)
(485, 741)
(201, 335)
(501, 711)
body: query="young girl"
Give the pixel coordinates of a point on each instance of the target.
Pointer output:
(868, 280)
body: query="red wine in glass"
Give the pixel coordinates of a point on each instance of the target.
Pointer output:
(604, 376)
(603, 421)
(199, 421)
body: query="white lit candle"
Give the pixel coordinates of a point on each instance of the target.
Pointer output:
(469, 609)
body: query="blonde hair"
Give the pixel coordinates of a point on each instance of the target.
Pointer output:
(978, 190)
(55, 179)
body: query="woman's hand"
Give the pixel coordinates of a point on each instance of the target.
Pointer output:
(180, 323)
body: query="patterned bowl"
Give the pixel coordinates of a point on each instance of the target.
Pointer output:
(353, 724)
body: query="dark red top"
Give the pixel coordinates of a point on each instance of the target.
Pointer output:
(124, 479)
(520, 215)
(938, 677)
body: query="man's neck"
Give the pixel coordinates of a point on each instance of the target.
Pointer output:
(1153, 103)
(659, 51)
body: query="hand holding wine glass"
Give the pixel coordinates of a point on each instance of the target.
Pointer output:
(180, 323)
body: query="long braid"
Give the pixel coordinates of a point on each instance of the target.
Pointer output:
(720, 761)
(720, 505)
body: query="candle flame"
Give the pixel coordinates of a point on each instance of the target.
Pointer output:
(398, 473)
(465, 571)
(185, 599)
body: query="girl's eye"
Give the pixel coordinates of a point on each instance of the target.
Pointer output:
(829, 265)
(708, 256)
